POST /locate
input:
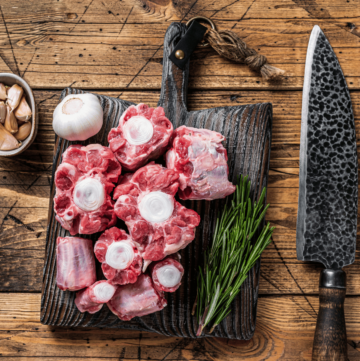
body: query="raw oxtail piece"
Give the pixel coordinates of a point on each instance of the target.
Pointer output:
(157, 223)
(201, 161)
(84, 181)
(143, 134)
(121, 260)
(92, 298)
(75, 263)
(167, 274)
(138, 299)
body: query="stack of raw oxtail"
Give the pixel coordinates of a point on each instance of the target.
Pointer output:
(139, 266)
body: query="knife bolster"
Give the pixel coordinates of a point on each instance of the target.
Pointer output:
(330, 341)
(330, 278)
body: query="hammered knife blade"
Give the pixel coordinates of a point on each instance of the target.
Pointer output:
(328, 190)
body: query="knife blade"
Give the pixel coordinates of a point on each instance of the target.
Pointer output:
(328, 189)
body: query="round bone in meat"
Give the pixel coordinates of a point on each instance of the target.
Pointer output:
(143, 134)
(157, 223)
(89, 194)
(167, 274)
(103, 291)
(120, 255)
(156, 206)
(92, 298)
(84, 182)
(120, 258)
(138, 130)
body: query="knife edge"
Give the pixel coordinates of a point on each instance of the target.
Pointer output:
(301, 216)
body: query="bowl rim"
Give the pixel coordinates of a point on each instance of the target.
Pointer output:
(11, 79)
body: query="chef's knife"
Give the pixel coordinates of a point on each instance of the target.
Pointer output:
(328, 187)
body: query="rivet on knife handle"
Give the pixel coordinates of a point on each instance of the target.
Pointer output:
(330, 341)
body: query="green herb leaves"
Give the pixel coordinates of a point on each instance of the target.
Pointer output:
(231, 255)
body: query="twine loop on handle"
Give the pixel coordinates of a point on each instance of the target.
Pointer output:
(227, 44)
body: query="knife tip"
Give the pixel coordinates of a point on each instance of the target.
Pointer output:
(316, 29)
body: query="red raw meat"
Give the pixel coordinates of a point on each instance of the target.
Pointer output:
(91, 299)
(201, 160)
(167, 274)
(75, 263)
(138, 299)
(157, 223)
(84, 181)
(121, 261)
(143, 134)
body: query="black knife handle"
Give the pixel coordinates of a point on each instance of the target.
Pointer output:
(330, 342)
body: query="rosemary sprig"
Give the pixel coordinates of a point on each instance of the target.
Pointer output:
(231, 255)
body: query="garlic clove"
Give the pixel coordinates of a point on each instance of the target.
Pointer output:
(23, 131)
(156, 207)
(11, 124)
(169, 276)
(3, 94)
(138, 130)
(104, 291)
(14, 95)
(2, 112)
(78, 117)
(120, 255)
(89, 194)
(23, 111)
(7, 140)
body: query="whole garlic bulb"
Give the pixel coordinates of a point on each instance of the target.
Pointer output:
(78, 117)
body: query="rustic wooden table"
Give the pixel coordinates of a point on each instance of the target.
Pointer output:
(115, 48)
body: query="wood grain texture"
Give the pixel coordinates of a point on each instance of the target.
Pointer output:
(330, 341)
(248, 133)
(118, 44)
(284, 331)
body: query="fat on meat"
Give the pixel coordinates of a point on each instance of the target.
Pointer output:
(158, 224)
(84, 181)
(167, 274)
(143, 134)
(120, 259)
(92, 298)
(75, 263)
(201, 161)
(138, 299)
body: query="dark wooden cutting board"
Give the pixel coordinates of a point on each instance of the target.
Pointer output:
(247, 130)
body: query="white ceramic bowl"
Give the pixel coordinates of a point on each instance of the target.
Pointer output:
(11, 79)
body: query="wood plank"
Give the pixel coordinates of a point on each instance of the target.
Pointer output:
(118, 45)
(31, 197)
(116, 12)
(49, 36)
(285, 327)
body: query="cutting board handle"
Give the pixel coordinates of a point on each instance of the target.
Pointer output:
(174, 80)
(330, 342)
